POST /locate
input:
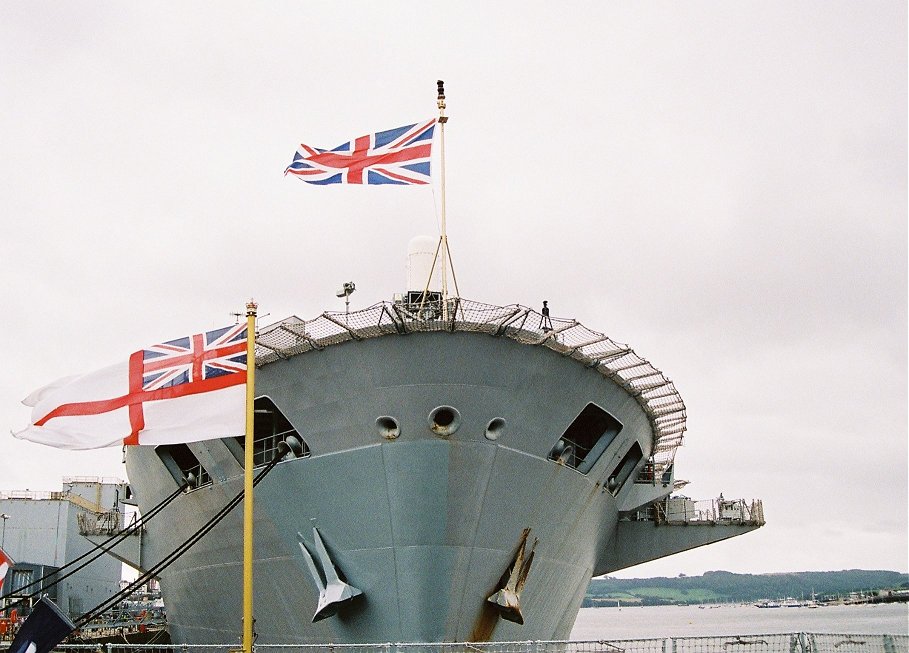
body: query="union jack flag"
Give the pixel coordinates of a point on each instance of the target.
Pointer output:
(195, 358)
(396, 156)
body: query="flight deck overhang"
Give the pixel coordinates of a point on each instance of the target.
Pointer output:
(674, 525)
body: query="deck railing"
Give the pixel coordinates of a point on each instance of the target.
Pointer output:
(653, 390)
(682, 510)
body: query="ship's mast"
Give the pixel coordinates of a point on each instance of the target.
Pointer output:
(443, 242)
(442, 256)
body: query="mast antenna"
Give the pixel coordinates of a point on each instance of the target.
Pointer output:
(443, 253)
(443, 239)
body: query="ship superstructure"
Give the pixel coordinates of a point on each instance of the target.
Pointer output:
(460, 471)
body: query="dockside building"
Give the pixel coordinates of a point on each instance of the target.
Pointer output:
(44, 531)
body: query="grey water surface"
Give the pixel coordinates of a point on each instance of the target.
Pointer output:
(693, 621)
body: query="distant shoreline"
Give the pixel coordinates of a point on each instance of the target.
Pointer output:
(719, 587)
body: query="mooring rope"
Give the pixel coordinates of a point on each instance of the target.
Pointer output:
(97, 549)
(165, 562)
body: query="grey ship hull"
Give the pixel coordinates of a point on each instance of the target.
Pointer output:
(424, 525)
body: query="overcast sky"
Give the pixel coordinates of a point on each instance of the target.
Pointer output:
(721, 185)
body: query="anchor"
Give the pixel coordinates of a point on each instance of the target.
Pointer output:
(334, 593)
(508, 599)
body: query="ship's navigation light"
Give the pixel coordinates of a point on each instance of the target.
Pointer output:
(346, 291)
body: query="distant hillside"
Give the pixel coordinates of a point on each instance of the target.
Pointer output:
(723, 586)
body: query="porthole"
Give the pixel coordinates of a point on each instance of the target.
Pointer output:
(444, 420)
(495, 428)
(388, 427)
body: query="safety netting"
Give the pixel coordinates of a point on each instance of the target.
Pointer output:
(652, 389)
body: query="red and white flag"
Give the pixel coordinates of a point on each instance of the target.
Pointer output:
(183, 390)
(6, 563)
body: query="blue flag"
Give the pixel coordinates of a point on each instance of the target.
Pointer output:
(45, 627)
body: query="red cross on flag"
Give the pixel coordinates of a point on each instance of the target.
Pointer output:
(398, 157)
(183, 390)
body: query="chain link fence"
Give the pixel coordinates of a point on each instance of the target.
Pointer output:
(777, 643)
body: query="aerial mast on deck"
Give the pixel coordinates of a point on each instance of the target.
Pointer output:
(443, 238)
(442, 248)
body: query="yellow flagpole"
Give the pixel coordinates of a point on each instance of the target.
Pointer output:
(248, 464)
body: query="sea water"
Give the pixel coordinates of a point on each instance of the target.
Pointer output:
(694, 621)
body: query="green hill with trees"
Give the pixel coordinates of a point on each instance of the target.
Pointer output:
(726, 587)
